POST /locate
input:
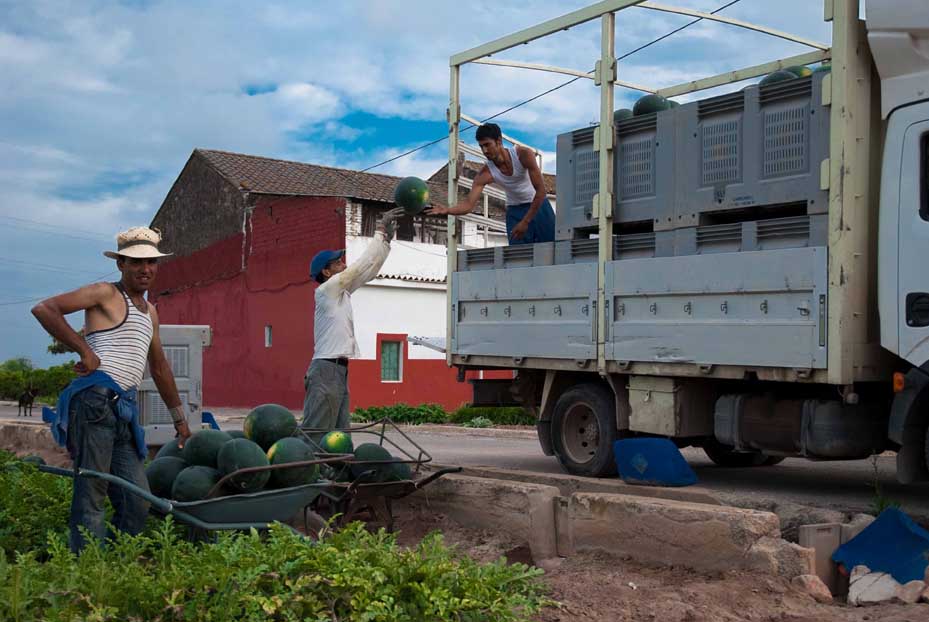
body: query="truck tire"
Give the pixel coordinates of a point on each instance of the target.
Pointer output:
(727, 457)
(583, 430)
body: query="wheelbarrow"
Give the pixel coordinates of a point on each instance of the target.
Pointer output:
(244, 511)
(366, 493)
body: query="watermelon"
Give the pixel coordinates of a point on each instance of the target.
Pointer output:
(269, 423)
(170, 448)
(194, 483)
(622, 113)
(412, 194)
(236, 433)
(337, 442)
(650, 103)
(292, 450)
(203, 447)
(801, 71)
(241, 453)
(781, 75)
(823, 67)
(33, 459)
(367, 452)
(161, 474)
(397, 471)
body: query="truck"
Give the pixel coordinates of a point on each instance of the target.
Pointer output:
(741, 272)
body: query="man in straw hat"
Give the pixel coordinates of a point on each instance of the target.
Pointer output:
(97, 417)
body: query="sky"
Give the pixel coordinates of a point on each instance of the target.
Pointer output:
(101, 103)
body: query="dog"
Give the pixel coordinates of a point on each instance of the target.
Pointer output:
(25, 402)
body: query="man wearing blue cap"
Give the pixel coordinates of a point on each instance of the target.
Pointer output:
(325, 406)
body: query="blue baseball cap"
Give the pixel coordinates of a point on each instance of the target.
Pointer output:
(321, 261)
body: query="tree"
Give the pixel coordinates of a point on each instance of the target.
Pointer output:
(20, 365)
(57, 347)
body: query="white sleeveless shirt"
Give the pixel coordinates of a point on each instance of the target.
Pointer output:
(123, 349)
(518, 186)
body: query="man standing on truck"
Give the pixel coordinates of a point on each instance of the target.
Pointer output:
(97, 417)
(325, 406)
(529, 216)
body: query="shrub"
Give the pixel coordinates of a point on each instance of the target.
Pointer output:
(31, 504)
(497, 415)
(479, 422)
(402, 413)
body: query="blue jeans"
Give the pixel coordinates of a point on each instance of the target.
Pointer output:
(99, 440)
(541, 229)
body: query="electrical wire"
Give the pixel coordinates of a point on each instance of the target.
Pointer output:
(10, 303)
(544, 93)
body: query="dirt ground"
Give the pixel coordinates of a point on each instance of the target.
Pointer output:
(606, 589)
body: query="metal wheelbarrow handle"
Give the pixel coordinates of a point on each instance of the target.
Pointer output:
(161, 504)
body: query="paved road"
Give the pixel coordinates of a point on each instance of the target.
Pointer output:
(845, 486)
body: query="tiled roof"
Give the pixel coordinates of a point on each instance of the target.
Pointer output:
(260, 175)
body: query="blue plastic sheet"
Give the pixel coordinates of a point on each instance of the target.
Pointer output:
(893, 543)
(652, 461)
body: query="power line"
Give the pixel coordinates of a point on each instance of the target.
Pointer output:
(44, 266)
(10, 303)
(57, 229)
(551, 90)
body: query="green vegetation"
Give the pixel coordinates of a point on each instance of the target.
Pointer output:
(17, 375)
(433, 413)
(505, 415)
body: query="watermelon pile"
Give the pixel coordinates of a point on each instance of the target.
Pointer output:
(790, 73)
(191, 472)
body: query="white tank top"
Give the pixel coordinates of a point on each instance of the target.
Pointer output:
(123, 349)
(518, 186)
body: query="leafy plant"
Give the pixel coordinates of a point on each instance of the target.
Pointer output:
(479, 422)
(32, 503)
(402, 413)
(351, 575)
(879, 501)
(507, 415)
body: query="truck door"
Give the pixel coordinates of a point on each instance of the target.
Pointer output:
(913, 232)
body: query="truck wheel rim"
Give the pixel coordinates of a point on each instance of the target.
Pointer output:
(580, 433)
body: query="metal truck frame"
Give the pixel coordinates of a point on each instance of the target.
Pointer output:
(846, 317)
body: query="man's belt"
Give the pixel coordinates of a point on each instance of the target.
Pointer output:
(339, 361)
(110, 394)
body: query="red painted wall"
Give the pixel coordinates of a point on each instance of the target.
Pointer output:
(276, 247)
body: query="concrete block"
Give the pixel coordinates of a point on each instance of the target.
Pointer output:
(814, 586)
(569, 484)
(858, 524)
(665, 532)
(824, 539)
(776, 556)
(525, 510)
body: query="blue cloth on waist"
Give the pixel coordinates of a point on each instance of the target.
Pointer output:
(127, 408)
(541, 229)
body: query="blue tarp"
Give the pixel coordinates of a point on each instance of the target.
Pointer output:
(893, 543)
(653, 461)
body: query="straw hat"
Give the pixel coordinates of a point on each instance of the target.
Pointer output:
(137, 242)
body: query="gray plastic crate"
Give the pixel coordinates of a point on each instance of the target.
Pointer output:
(743, 152)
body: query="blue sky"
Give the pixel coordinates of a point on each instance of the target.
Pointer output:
(101, 103)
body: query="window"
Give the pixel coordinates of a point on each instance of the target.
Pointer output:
(267, 335)
(924, 177)
(391, 360)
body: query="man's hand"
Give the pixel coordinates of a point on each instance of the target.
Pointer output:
(519, 230)
(88, 364)
(389, 222)
(183, 432)
(438, 210)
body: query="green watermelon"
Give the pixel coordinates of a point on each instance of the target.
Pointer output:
(194, 483)
(801, 71)
(203, 447)
(236, 433)
(269, 423)
(161, 474)
(412, 194)
(367, 452)
(398, 471)
(823, 67)
(292, 450)
(170, 448)
(622, 113)
(241, 453)
(33, 459)
(782, 75)
(337, 442)
(650, 103)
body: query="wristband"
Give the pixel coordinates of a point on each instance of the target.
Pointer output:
(177, 414)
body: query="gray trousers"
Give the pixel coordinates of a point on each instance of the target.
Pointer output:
(325, 406)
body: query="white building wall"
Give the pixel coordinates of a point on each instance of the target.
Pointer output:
(391, 306)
